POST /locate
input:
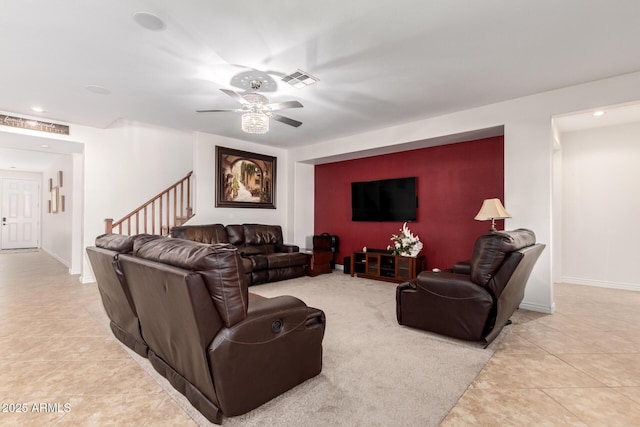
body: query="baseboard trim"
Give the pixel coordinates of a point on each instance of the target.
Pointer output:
(601, 283)
(538, 307)
(87, 278)
(56, 257)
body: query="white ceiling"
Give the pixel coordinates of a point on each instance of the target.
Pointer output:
(379, 62)
(612, 116)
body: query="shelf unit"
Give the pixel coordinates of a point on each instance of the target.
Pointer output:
(385, 266)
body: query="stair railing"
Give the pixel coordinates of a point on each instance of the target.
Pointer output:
(172, 207)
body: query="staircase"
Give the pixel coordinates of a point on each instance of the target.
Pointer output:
(168, 209)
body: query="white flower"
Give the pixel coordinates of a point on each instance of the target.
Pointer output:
(405, 243)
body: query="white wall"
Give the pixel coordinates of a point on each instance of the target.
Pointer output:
(57, 227)
(77, 206)
(601, 206)
(303, 209)
(155, 157)
(528, 158)
(124, 166)
(20, 175)
(204, 171)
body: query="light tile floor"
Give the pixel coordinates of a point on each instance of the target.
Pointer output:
(60, 365)
(578, 367)
(59, 362)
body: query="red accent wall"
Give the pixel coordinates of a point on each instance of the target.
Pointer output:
(452, 182)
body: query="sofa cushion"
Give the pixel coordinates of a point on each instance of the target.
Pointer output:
(260, 234)
(219, 264)
(115, 242)
(283, 260)
(209, 233)
(490, 250)
(259, 262)
(235, 233)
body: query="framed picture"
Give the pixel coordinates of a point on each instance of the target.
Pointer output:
(245, 180)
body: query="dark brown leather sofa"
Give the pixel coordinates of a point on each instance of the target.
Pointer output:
(265, 257)
(473, 306)
(114, 290)
(228, 351)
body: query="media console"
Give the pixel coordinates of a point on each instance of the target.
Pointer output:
(385, 266)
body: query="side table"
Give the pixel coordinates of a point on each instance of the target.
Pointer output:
(319, 261)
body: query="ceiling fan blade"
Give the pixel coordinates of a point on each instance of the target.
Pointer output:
(286, 120)
(282, 105)
(235, 96)
(216, 111)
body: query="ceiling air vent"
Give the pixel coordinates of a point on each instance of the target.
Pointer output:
(300, 79)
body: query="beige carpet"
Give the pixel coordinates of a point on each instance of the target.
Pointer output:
(375, 372)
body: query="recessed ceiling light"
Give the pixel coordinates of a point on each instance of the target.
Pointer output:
(44, 145)
(598, 113)
(149, 21)
(98, 89)
(37, 109)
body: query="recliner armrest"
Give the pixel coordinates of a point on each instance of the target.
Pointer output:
(448, 285)
(278, 346)
(462, 267)
(269, 319)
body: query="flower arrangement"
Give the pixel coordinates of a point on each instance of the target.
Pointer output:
(405, 243)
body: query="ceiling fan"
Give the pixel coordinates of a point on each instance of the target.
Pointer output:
(256, 110)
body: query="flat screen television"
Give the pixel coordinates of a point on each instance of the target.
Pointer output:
(384, 200)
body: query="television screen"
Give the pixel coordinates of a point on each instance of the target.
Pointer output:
(384, 200)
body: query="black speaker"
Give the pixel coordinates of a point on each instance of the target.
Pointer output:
(347, 265)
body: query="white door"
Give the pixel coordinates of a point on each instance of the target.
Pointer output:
(20, 214)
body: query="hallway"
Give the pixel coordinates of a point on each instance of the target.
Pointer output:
(59, 361)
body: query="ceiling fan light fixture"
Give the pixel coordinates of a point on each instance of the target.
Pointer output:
(256, 123)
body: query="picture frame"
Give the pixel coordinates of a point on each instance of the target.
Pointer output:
(245, 179)
(55, 193)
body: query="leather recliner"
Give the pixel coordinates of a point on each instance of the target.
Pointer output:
(228, 351)
(474, 306)
(114, 290)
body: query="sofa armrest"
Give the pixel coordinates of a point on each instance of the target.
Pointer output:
(287, 248)
(448, 285)
(248, 251)
(270, 319)
(269, 306)
(277, 346)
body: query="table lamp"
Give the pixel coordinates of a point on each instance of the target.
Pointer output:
(492, 209)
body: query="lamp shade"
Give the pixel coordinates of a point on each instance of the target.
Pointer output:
(492, 209)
